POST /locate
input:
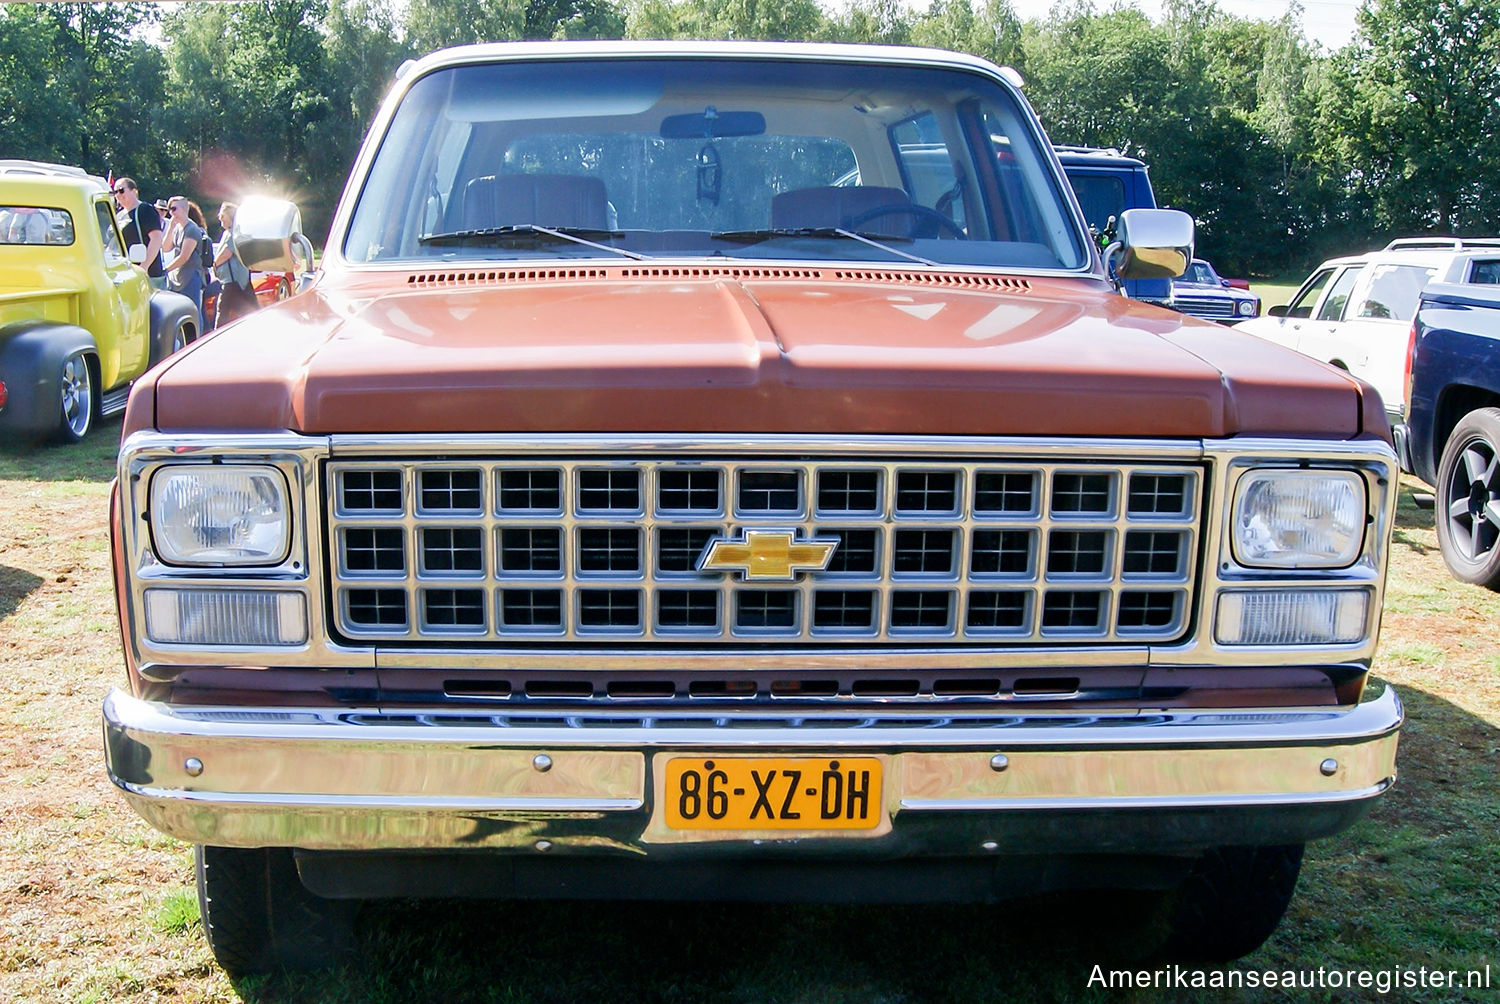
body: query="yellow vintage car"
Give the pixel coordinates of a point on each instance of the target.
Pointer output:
(78, 320)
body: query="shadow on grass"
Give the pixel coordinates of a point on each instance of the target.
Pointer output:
(15, 586)
(1411, 519)
(91, 460)
(458, 951)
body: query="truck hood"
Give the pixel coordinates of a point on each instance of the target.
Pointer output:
(755, 350)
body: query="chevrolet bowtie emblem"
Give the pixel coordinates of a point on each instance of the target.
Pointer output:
(763, 555)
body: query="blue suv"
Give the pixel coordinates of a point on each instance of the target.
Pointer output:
(1107, 183)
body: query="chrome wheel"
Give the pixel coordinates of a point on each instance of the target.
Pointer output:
(77, 393)
(1468, 519)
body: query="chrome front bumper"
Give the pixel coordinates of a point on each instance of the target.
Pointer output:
(576, 783)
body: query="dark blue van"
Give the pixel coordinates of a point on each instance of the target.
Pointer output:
(1107, 183)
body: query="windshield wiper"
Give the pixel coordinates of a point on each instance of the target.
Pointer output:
(836, 233)
(498, 236)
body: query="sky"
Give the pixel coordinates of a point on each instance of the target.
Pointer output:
(1330, 22)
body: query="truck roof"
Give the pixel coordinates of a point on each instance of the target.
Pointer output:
(819, 51)
(1442, 243)
(1087, 156)
(26, 188)
(42, 169)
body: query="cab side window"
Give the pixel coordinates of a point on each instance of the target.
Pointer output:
(1338, 295)
(108, 235)
(1302, 306)
(1486, 273)
(1393, 292)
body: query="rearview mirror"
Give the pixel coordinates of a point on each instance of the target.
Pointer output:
(713, 123)
(136, 254)
(1277, 311)
(1152, 244)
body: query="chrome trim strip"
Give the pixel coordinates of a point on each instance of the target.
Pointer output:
(403, 802)
(1378, 716)
(1127, 802)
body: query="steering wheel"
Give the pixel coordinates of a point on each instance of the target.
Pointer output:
(908, 209)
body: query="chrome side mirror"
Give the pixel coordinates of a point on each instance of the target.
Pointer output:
(136, 254)
(264, 231)
(1152, 244)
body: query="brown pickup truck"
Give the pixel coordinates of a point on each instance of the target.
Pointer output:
(681, 480)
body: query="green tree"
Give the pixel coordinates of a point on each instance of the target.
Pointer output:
(1411, 112)
(993, 32)
(83, 58)
(363, 48)
(790, 20)
(251, 106)
(883, 21)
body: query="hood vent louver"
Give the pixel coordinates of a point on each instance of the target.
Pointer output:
(939, 279)
(491, 277)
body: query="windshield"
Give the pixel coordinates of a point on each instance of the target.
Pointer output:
(725, 158)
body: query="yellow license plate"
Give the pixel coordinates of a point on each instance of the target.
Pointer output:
(791, 793)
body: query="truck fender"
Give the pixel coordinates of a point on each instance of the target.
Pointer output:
(171, 312)
(31, 359)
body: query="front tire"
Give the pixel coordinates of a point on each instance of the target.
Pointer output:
(259, 917)
(1231, 902)
(1468, 499)
(77, 399)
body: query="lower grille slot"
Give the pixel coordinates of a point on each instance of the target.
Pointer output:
(559, 688)
(966, 688)
(805, 688)
(1045, 686)
(641, 689)
(886, 688)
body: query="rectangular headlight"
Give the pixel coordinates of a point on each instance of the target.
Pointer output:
(1298, 519)
(1292, 616)
(241, 618)
(220, 515)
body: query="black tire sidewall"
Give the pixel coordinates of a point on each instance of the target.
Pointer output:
(1482, 424)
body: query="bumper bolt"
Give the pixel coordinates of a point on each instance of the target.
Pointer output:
(193, 766)
(544, 846)
(1329, 767)
(999, 761)
(542, 762)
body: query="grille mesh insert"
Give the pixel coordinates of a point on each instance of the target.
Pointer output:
(608, 548)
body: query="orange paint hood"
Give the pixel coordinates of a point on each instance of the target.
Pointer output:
(742, 350)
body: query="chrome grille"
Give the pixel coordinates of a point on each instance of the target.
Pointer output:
(607, 549)
(1215, 309)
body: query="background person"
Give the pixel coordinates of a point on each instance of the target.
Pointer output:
(237, 293)
(208, 300)
(184, 241)
(140, 223)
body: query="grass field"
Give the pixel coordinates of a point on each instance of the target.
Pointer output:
(1274, 294)
(96, 906)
